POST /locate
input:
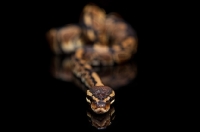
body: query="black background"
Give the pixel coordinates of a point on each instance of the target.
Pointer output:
(54, 104)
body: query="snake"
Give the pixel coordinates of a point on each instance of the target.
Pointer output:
(99, 39)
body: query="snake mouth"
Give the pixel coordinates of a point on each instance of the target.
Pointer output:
(100, 107)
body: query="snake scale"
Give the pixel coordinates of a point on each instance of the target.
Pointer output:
(99, 39)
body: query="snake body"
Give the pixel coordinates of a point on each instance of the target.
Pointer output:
(99, 40)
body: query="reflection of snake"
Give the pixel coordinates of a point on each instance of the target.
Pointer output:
(100, 39)
(101, 121)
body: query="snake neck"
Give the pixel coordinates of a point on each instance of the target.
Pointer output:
(85, 72)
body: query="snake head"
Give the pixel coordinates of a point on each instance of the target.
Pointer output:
(100, 98)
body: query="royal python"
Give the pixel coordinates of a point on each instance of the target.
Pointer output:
(99, 39)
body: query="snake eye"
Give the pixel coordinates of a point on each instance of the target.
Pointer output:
(112, 101)
(88, 100)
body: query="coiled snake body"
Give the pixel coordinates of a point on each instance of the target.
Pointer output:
(99, 40)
